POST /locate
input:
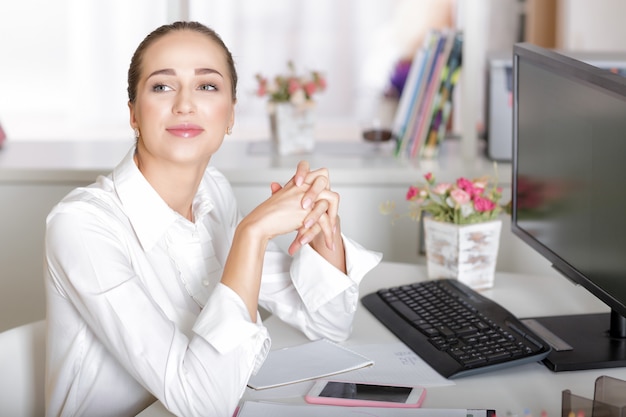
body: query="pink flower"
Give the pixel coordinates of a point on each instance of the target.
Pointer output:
(441, 188)
(294, 85)
(322, 83)
(310, 88)
(428, 176)
(478, 189)
(460, 197)
(262, 88)
(465, 184)
(472, 188)
(482, 204)
(413, 193)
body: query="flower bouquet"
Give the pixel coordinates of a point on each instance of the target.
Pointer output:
(291, 87)
(461, 229)
(463, 202)
(290, 107)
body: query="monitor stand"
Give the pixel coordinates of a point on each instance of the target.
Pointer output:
(586, 341)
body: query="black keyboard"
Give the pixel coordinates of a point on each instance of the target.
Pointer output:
(454, 329)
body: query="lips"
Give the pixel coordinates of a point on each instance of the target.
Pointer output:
(185, 130)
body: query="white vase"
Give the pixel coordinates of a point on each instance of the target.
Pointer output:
(292, 127)
(467, 253)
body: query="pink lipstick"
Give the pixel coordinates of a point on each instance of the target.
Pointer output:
(185, 130)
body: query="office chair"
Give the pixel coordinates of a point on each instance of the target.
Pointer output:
(22, 360)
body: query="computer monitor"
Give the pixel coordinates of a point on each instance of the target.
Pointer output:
(569, 195)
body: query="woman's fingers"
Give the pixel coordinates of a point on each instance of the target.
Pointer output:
(318, 185)
(322, 203)
(318, 221)
(302, 170)
(330, 206)
(316, 181)
(275, 187)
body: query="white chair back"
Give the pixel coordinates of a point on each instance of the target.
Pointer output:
(22, 364)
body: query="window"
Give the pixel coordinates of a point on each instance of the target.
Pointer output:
(64, 63)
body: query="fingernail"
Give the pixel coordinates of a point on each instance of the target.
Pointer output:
(306, 203)
(299, 181)
(304, 240)
(308, 223)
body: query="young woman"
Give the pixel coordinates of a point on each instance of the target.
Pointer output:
(153, 277)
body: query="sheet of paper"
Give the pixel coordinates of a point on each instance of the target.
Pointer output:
(321, 358)
(265, 409)
(394, 363)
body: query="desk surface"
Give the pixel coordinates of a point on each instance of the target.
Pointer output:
(527, 387)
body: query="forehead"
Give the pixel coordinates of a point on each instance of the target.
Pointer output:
(184, 49)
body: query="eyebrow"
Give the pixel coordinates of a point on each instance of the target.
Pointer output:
(198, 71)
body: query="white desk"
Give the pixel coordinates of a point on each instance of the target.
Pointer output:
(510, 390)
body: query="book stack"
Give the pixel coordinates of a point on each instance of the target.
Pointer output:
(425, 105)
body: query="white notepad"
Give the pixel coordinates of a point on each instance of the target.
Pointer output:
(311, 360)
(264, 409)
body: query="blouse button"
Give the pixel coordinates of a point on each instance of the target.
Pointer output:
(205, 282)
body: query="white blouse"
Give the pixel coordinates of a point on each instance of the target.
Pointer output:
(136, 310)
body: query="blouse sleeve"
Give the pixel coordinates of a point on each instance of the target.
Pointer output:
(90, 268)
(311, 294)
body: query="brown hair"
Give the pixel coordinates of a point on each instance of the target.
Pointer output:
(135, 63)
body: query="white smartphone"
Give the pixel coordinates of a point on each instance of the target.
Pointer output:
(358, 394)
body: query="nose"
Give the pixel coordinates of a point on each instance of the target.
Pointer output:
(184, 103)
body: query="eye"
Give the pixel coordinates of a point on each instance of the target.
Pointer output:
(158, 88)
(207, 87)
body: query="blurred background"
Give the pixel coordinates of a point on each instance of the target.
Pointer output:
(64, 62)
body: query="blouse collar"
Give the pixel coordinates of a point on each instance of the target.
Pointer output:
(149, 214)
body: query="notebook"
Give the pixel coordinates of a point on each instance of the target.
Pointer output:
(263, 409)
(307, 361)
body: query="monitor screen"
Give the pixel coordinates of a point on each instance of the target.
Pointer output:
(569, 194)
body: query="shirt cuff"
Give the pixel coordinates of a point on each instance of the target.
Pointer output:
(224, 323)
(320, 284)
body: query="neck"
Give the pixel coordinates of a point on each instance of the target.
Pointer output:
(177, 185)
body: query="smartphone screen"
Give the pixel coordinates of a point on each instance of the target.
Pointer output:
(367, 392)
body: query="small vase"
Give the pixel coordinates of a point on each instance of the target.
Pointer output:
(292, 127)
(467, 253)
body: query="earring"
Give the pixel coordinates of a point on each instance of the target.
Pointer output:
(137, 134)
(229, 130)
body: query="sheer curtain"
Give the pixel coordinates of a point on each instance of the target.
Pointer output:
(64, 63)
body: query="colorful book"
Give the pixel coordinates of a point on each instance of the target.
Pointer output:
(435, 47)
(443, 101)
(432, 88)
(408, 99)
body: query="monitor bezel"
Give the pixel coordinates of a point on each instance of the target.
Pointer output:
(597, 78)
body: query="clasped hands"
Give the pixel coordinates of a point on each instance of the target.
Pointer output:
(313, 210)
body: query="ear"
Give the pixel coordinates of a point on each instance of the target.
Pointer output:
(133, 119)
(231, 122)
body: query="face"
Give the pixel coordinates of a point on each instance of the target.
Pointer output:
(184, 103)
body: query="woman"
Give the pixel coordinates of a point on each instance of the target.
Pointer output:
(154, 279)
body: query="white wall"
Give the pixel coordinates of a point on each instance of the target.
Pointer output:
(596, 25)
